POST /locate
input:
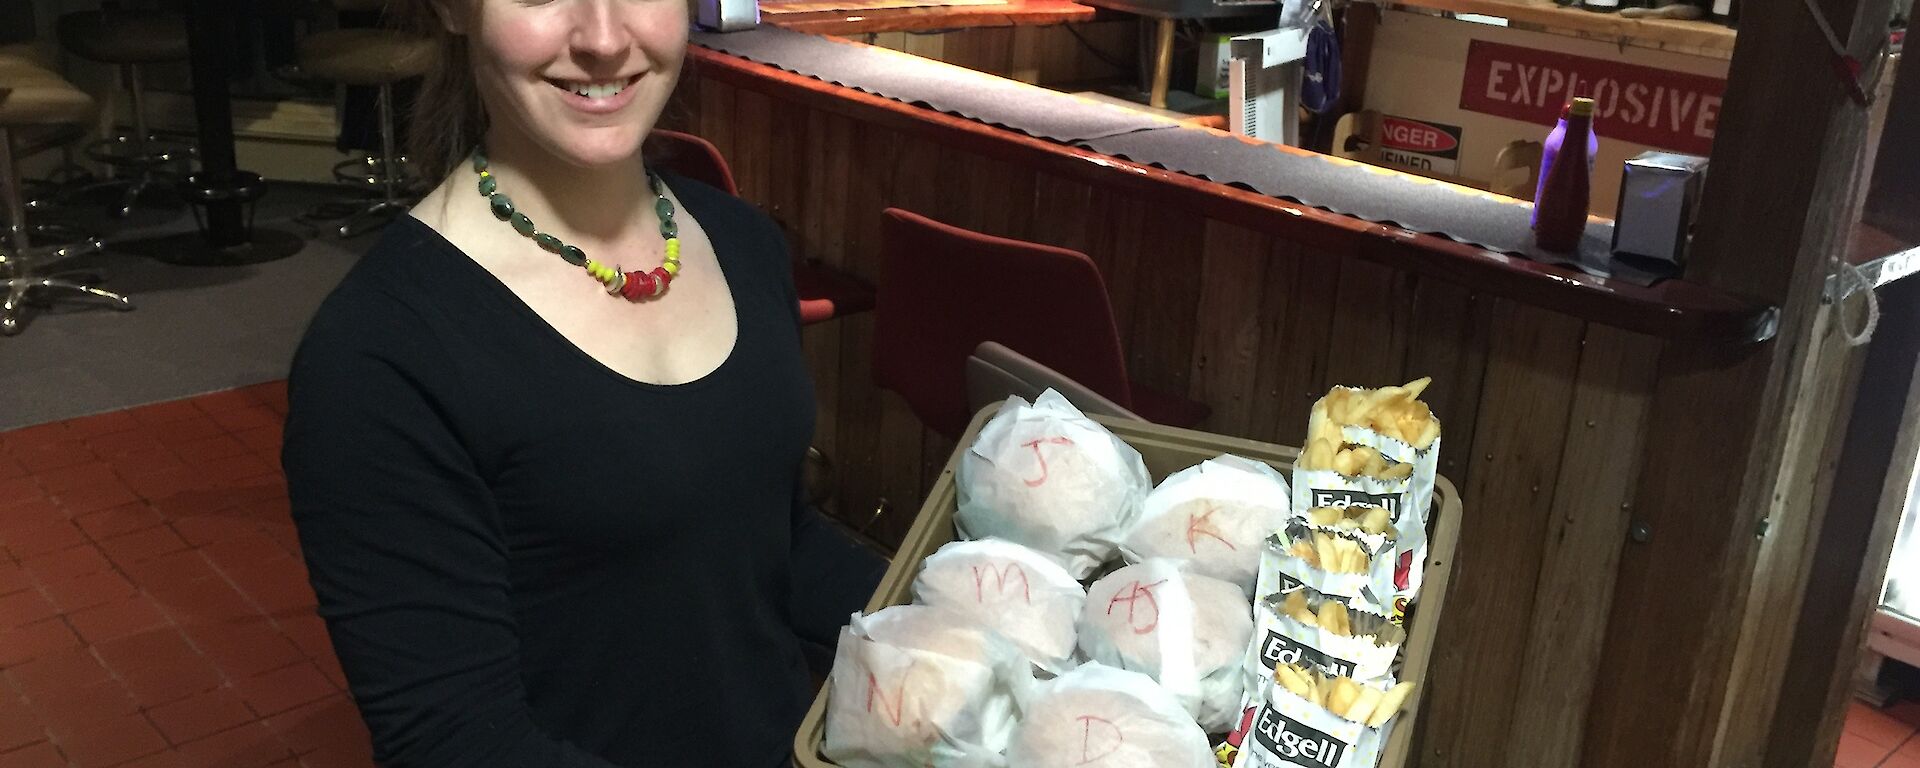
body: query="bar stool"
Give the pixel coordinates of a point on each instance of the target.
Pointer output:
(129, 39)
(379, 58)
(1056, 313)
(35, 98)
(825, 292)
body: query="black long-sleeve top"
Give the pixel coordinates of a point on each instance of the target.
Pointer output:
(527, 559)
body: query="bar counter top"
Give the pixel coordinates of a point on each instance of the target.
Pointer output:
(1671, 308)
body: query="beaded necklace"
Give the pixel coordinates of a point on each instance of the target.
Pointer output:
(633, 286)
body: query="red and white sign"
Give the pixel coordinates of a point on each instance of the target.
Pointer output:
(1418, 144)
(1645, 105)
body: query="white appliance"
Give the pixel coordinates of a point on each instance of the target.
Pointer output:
(1264, 84)
(727, 15)
(1895, 632)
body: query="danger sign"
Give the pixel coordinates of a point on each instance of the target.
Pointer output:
(1420, 145)
(1656, 107)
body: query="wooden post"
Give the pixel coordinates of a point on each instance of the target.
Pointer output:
(1849, 560)
(1162, 63)
(1893, 202)
(1777, 207)
(1847, 563)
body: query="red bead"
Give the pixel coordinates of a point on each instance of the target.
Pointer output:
(665, 278)
(639, 286)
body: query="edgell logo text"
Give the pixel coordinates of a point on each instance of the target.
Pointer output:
(1297, 743)
(1278, 649)
(1343, 498)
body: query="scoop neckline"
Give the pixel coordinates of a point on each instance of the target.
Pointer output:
(526, 311)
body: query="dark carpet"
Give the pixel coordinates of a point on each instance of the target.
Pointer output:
(194, 329)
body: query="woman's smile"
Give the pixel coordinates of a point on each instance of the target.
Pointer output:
(597, 97)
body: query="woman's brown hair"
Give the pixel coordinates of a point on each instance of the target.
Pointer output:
(448, 118)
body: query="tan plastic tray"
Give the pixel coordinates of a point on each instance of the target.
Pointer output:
(1165, 450)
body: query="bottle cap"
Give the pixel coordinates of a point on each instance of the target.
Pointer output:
(1582, 106)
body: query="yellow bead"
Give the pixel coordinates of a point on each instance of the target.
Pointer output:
(672, 267)
(673, 247)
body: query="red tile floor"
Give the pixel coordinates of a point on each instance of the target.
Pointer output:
(154, 610)
(1876, 738)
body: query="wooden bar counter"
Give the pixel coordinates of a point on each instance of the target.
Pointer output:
(1546, 379)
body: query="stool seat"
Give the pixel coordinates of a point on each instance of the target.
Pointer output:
(366, 56)
(27, 52)
(35, 96)
(125, 37)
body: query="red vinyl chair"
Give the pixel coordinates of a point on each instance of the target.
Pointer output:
(693, 157)
(825, 292)
(944, 290)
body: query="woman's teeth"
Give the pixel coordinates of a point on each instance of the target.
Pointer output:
(597, 90)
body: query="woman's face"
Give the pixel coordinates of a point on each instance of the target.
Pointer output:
(582, 79)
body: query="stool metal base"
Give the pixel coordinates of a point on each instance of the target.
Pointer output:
(57, 244)
(146, 166)
(25, 268)
(375, 216)
(27, 280)
(387, 174)
(125, 151)
(43, 290)
(369, 172)
(352, 218)
(146, 163)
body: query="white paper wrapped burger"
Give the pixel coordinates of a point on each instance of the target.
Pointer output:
(1100, 717)
(1187, 632)
(915, 685)
(1047, 477)
(1212, 518)
(1024, 595)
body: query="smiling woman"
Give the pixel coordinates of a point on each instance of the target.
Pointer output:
(551, 509)
(449, 117)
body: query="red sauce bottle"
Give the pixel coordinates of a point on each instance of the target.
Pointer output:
(1560, 210)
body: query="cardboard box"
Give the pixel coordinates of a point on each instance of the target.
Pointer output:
(1210, 79)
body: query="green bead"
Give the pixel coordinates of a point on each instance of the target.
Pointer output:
(573, 255)
(502, 206)
(668, 229)
(547, 242)
(488, 185)
(479, 160)
(664, 207)
(522, 224)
